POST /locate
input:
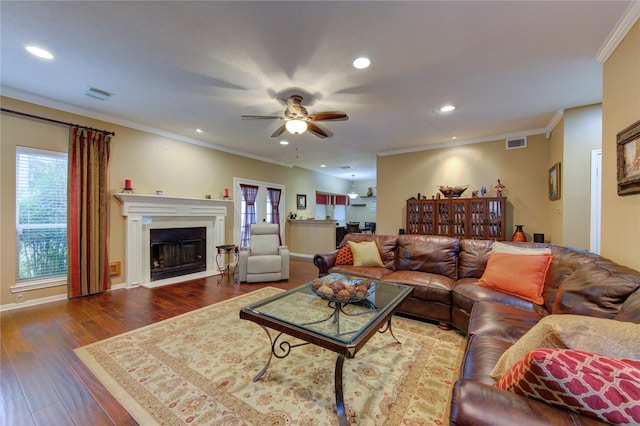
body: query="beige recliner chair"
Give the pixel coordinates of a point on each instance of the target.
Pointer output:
(265, 259)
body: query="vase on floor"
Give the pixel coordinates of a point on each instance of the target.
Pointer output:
(519, 235)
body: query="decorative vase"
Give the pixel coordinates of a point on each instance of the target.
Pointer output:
(519, 235)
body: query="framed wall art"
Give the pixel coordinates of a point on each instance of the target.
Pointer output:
(629, 160)
(554, 182)
(302, 201)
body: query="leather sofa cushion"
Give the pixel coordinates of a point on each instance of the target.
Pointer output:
(630, 309)
(500, 321)
(466, 292)
(386, 246)
(565, 262)
(596, 289)
(428, 253)
(483, 352)
(373, 272)
(473, 258)
(475, 403)
(431, 287)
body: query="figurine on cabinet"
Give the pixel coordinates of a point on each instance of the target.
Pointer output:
(499, 187)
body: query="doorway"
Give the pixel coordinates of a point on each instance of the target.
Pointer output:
(263, 208)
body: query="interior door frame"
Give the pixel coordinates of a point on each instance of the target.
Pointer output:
(596, 201)
(237, 205)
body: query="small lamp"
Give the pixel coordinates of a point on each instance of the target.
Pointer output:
(296, 127)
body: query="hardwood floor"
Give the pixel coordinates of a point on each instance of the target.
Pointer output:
(41, 379)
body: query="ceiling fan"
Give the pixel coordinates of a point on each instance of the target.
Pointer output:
(297, 119)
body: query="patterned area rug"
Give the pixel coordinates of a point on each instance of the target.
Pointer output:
(197, 368)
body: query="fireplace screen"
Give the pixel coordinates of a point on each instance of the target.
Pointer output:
(178, 251)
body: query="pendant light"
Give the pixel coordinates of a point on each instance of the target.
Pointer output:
(353, 194)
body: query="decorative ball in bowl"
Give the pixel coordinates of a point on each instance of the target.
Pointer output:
(338, 288)
(453, 191)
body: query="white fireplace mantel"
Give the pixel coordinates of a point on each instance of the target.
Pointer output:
(146, 212)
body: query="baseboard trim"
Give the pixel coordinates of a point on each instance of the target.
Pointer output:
(301, 256)
(48, 299)
(33, 302)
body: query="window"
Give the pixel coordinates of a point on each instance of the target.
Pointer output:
(41, 215)
(332, 205)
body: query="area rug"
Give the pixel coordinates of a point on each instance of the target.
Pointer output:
(197, 369)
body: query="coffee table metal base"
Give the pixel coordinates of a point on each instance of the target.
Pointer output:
(283, 349)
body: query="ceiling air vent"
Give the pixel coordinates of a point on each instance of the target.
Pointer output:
(97, 93)
(515, 143)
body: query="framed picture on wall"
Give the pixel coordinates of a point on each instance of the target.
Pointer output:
(302, 201)
(554, 182)
(629, 160)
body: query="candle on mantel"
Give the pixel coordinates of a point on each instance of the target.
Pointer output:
(127, 184)
(226, 192)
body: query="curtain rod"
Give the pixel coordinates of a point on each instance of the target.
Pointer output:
(50, 120)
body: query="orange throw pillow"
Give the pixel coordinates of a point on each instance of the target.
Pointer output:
(344, 256)
(518, 275)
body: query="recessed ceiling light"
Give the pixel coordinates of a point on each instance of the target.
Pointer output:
(284, 143)
(323, 165)
(40, 53)
(447, 108)
(362, 63)
(200, 130)
(454, 137)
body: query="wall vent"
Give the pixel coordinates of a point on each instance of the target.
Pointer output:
(516, 143)
(97, 93)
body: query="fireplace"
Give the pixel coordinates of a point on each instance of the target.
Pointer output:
(177, 251)
(146, 214)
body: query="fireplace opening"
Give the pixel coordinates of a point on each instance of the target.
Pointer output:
(177, 251)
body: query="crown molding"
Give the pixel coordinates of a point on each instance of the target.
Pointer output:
(10, 92)
(464, 142)
(622, 27)
(555, 119)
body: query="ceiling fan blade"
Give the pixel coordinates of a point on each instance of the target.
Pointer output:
(329, 115)
(321, 133)
(280, 130)
(260, 117)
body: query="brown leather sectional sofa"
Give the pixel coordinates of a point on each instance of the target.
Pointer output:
(445, 271)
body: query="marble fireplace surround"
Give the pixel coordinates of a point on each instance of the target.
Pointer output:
(146, 212)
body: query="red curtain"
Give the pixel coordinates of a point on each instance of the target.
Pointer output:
(274, 196)
(87, 217)
(249, 193)
(321, 199)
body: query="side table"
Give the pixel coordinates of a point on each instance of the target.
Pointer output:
(227, 262)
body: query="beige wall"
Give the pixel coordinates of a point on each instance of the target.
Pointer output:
(556, 148)
(523, 171)
(620, 108)
(152, 162)
(582, 134)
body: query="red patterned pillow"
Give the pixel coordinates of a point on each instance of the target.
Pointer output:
(594, 385)
(344, 256)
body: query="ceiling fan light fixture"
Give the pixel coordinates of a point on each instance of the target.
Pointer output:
(296, 126)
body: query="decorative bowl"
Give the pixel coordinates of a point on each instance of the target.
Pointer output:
(453, 191)
(338, 288)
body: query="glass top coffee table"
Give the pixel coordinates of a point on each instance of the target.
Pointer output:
(340, 322)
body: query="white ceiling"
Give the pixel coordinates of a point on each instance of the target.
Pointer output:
(509, 67)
